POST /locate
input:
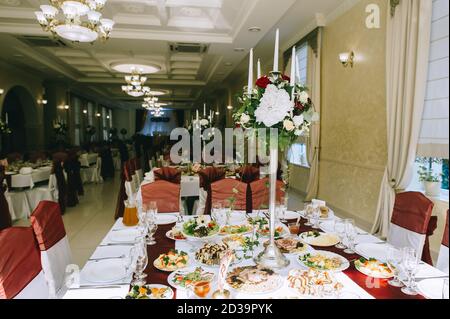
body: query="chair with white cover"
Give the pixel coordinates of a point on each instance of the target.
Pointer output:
(53, 243)
(443, 258)
(409, 222)
(21, 274)
(40, 193)
(97, 171)
(19, 206)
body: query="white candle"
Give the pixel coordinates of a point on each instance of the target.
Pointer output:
(197, 116)
(250, 73)
(277, 49)
(259, 69)
(293, 66)
(6, 118)
(204, 110)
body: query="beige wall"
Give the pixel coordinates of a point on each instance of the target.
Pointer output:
(353, 119)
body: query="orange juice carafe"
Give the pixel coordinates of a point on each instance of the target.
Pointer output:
(130, 217)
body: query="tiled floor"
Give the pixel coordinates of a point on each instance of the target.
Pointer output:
(89, 222)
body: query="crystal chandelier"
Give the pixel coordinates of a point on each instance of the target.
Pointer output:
(81, 20)
(135, 84)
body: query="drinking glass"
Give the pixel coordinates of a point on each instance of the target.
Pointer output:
(410, 261)
(339, 229)
(445, 289)
(308, 215)
(294, 228)
(201, 289)
(130, 261)
(216, 212)
(141, 262)
(152, 206)
(316, 217)
(350, 234)
(394, 259)
(152, 228)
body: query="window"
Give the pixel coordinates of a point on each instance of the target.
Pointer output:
(297, 155)
(302, 63)
(437, 167)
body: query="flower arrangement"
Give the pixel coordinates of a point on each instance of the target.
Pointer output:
(90, 130)
(276, 102)
(60, 128)
(4, 128)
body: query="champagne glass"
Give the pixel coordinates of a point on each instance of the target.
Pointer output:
(152, 228)
(410, 263)
(216, 212)
(308, 213)
(394, 259)
(316, 217)
(445, 289)
(339, 229)
(350, 233)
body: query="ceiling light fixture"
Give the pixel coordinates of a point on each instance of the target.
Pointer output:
(75, 20)
(254, 29)
(129, 67)
(135, 84)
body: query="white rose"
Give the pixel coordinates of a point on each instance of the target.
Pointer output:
(274, 106)
(298, 120)
(303, 97)
(298, 132)
(315, 117)
(204, 122)
(245, 118)
(288, 125)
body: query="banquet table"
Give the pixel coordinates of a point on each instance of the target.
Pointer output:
(38, 175)
(355, 284)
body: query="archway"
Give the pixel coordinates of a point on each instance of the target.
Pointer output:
(19, 107)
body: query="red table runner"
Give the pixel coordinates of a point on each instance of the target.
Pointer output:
(378, 288)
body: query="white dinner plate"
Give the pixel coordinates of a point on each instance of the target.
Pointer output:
(167, 295)
(123, 236)
(344, 262)
(166, 219)
(289, 214)
(431, 288)
(104, 271)
(183, 271)
(377, 251)
(310, 240)
(169, 235)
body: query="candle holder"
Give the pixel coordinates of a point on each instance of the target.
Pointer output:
(275, 76)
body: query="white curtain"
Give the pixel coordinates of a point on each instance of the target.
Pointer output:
(407, 52)
(313, 149)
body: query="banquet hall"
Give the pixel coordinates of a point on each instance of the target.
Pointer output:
(224, 149)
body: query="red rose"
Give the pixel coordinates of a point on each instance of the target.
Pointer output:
(299, 106)
(263, 82)
(286, 78)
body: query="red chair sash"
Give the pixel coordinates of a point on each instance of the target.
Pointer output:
(412, 211)
(20, 260)
(47, 224)
(249, 174)
(168, 174)
(225, 189)
(445, 238)
(208, 176)
(426, 254)
(260, 193)
(165, 194)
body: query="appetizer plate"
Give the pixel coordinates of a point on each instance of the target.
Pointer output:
(104, 271)
(195, 238)
(321, 240)
(284, 230)
(377, 251)
(184, 272)
(158, 265)
(323, 255)
(166, 219)
(170, 236)
(255, 282)
(374, 268)
(233, 230)
(166, 294)
(123, 235)
(431, 288)
(289, 214)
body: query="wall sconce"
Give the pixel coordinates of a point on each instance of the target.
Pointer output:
(85, 112)
(217, 113)
(43, 102)
(66, 107)
(2, 91)
(98, 115)
(347, 59)
(107, 117)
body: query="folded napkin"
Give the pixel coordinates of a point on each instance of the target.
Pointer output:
(100, 293)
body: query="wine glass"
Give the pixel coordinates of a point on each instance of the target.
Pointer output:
(141, 262)
(410, 263)
(308, 213)
(339, 229)
(316, 217)
(152, 228)
(350, 233)
(394, 259)
(216, 212)
(445, 289)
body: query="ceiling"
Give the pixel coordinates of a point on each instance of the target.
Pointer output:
(147, 31)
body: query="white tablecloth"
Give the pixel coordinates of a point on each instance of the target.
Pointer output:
(28, 180)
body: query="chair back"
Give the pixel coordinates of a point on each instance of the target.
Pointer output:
(50, 233)
(21, 275)
(5, 215)
(260, 194)
(443, 258)
(168, 174)
(410, 220)
(164, 193)
(225, 189)
(208, 176)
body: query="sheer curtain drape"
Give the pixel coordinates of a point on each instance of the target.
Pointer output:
(407, 52)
